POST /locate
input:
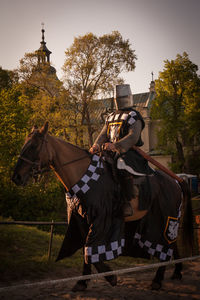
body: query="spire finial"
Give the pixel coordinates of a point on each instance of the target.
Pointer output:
(42, 31)
(152, 75)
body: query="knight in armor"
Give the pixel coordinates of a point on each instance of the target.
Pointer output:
(122, 130)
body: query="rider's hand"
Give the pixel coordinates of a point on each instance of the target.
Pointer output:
(109, 147)
(95, 148)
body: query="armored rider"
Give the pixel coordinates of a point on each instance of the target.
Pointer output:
(121, 131)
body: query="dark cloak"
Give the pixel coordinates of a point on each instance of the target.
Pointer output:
(94, 216)
(156, 233)
(95, 221)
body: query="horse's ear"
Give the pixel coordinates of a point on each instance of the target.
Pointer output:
(34, 128)
(44, 129)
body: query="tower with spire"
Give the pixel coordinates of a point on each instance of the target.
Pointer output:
(43, 54)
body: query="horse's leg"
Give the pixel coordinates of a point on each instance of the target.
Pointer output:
(157, 281)
(178, 267)
(81, 285)
(101, 268)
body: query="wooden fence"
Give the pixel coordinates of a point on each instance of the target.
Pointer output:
(51, 224)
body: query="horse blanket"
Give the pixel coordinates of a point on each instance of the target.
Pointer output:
(95, 218)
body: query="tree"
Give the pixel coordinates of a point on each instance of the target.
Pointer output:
(92, 67)
(43, 95)
(43, 201)
(7, 78)
(178, 96)
(13, 124)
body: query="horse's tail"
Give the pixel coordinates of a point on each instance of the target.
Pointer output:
(187, 220)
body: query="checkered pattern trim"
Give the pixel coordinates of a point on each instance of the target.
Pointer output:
(161, 251)
(104, 252)
(85, 183)
(158, 250)
(131, 117)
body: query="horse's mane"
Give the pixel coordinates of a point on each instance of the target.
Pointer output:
(65, 143)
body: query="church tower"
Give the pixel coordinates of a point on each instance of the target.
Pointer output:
(43, 54)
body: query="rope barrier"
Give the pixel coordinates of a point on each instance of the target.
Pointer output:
(97, 275)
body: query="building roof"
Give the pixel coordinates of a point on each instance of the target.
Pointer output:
(104, 106)
(143, 100)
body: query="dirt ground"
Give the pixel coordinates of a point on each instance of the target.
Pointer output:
(130, 286)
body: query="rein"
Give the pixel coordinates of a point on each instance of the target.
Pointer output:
(75, 160)
(38, 163)
(29, 161)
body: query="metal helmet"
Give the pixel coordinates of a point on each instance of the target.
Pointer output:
(124, 97)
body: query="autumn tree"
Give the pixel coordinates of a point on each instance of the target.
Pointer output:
(43, 95)
(92, 68)
(7, 78)
(177, 107)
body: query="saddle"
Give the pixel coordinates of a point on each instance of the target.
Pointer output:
(138, 186)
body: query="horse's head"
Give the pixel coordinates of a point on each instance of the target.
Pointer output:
(33, 156)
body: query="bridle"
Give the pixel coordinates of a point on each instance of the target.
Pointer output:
(36, 165)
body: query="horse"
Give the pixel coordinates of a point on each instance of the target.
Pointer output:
(102, 208)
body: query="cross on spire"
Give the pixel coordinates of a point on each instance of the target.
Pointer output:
(43, 32)
(152, 75)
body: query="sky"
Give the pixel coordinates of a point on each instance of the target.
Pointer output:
(156, 29)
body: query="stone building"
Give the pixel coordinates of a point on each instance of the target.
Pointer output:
(142, 103)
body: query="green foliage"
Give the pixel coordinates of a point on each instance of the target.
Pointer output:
(7, 79)
(41, 201)
(177, 107)
(13, 124)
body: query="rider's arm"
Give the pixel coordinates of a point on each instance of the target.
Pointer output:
(102, 137)
(131, 138)
(100, 140)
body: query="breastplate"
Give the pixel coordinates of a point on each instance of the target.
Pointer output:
(118, 124)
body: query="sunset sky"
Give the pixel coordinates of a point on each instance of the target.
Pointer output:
(157, 30)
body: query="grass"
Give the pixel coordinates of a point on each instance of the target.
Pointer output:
(24, 256)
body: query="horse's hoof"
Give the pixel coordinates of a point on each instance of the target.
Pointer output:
(155, 286)
(176, 276)
(112, 280)
(80, 286)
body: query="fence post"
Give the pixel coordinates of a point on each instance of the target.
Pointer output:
(50, 242)
(198, 230)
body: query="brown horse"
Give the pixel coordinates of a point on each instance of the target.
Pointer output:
(94, 207)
